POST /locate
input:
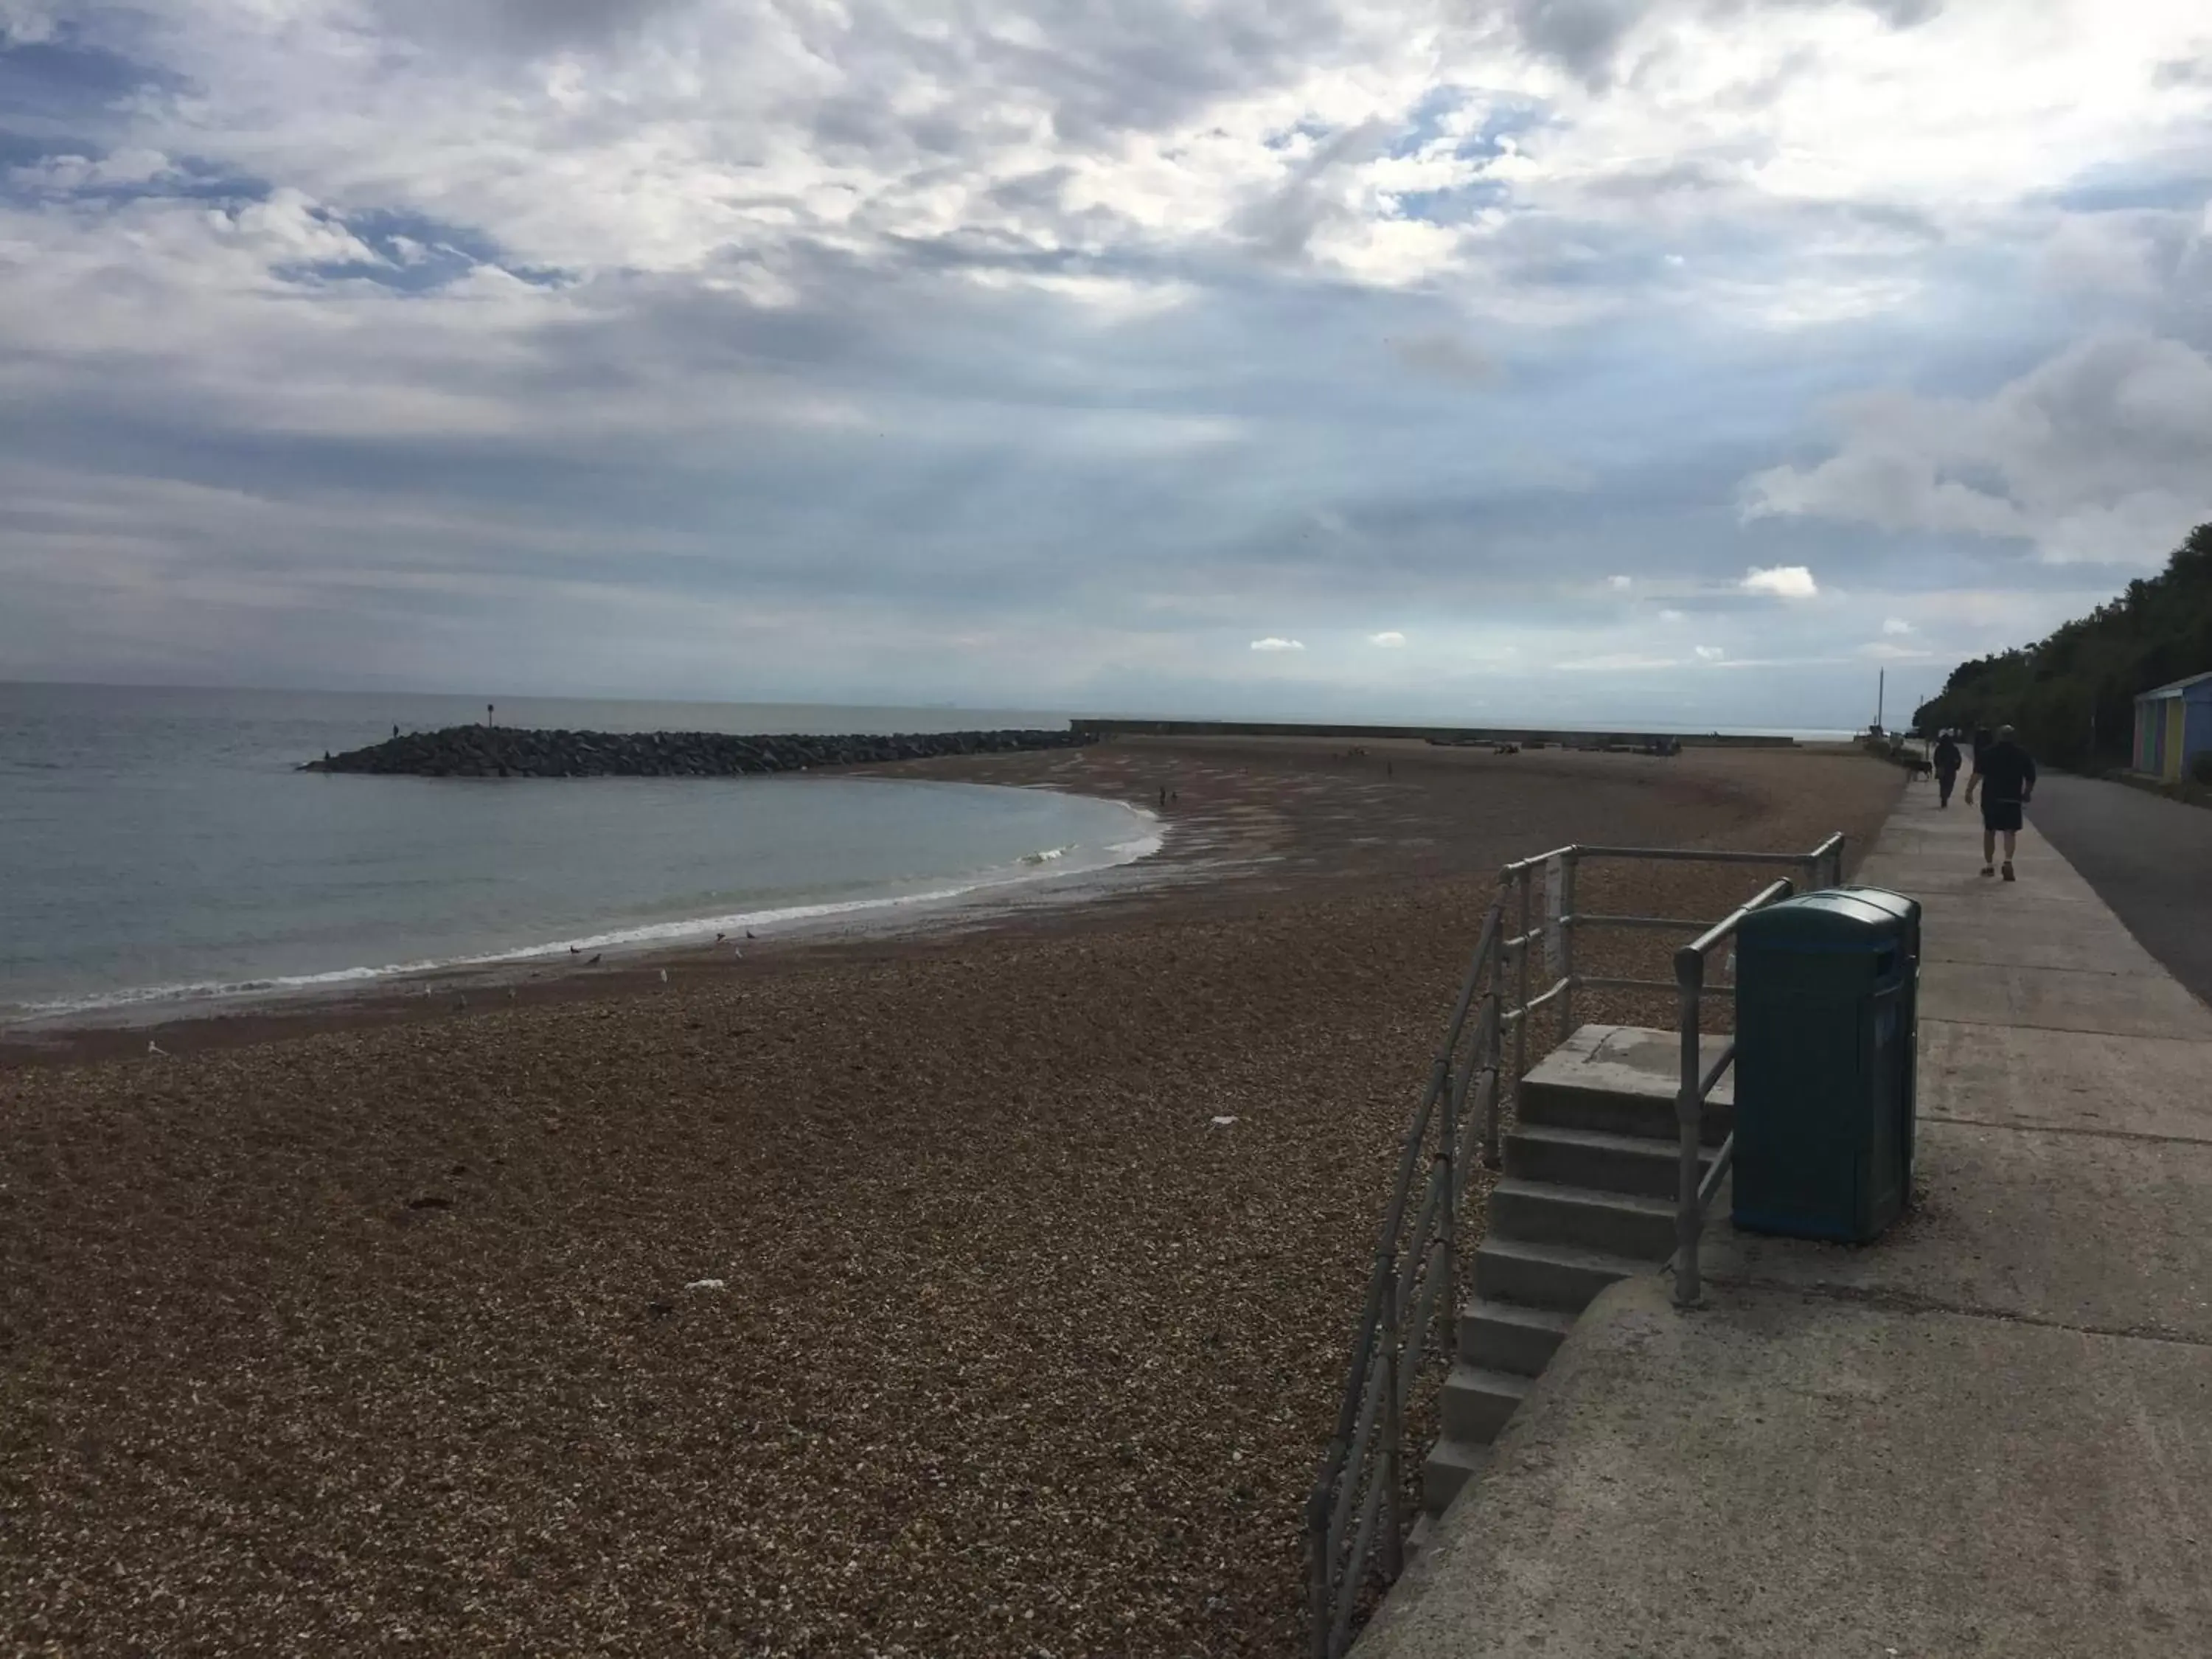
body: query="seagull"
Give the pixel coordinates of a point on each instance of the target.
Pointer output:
(154, 1047)
(510, 993)
(749, 933)
(663, 976)
(575, 950)
(738, 952)
(594, 962)
(718, 937)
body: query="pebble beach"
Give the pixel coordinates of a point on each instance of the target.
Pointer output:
(897, 1294)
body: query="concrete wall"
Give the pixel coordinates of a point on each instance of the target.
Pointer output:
(1109, 728)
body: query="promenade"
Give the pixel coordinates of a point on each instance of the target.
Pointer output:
(1989, 1433)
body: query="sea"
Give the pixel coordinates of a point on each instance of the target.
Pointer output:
(160, 852)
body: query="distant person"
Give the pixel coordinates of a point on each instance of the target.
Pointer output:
(2006, 776)
(1946, 768)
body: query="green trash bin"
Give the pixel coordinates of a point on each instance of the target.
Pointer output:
(1826, 1010)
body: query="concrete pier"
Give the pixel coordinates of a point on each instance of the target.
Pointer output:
(1989, 1433)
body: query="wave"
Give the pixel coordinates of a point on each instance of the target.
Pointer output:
(1030, 866)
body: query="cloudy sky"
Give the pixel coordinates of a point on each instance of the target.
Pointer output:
(1680, 361)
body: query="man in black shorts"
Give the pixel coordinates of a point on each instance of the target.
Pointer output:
(2005, 774)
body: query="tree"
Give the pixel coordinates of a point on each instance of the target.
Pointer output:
(2072, 696)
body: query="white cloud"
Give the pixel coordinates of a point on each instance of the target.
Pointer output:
(1782, 581)
(1709, 652)
(1884, 650)
(1046, 284)
(1897, 625)
(2099, 453)
(1389, 639)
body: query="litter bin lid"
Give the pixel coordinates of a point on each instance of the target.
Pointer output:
(1836, 918)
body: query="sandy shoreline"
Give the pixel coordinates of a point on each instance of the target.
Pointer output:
(365, 1329)
(1234, 833)
(122, 1022)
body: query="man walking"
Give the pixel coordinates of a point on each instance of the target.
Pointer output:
(2006, 774)
(1946, 767)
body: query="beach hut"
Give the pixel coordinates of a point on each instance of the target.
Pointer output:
(2173, 726)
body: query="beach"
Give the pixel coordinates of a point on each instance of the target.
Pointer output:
(894, 1291)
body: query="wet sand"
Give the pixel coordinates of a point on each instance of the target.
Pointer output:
(363, 1328)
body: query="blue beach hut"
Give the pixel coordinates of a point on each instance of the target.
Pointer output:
(2173, 726)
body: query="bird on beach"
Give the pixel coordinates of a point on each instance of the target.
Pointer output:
(154, 1047)
(718, 937)
(594, 962)
(575, 950)
(663, 976)
(510, 993)
(738, 951)
(749, 933)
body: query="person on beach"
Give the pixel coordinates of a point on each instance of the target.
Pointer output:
(2006, 776)
(1946, 768)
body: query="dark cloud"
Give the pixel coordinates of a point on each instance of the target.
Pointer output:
(1583, 36)
(528, 28)
(1447, 357)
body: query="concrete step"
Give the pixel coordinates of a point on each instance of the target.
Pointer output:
(1546, 1212)
(1608, 1112)
(1424, 1528)
(1563, 1277)
(1621, 1080)
(1449, 1466)
(1502, 1336)
(1476, 1402)
(1600, 1162)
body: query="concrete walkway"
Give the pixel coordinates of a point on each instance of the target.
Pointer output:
(1989, 1434)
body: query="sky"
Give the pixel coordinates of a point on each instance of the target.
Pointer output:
(1679, 363)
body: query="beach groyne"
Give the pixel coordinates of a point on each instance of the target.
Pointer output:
(506, 751)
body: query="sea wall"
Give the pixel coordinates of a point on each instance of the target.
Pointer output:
(1527, 736)
(506, 751)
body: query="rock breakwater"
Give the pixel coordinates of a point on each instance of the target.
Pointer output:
(505, 751)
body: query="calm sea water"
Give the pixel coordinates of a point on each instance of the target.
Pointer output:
(159, 844)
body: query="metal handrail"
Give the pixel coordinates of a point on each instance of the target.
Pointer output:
(1694, 1186)
(1364, 1454)
(1354, 1521)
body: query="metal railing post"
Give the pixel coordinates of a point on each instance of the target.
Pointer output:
(1521, 1025)
(1317, 1574)
(1392, 1430)
(1573, 859)
(1689, 1110)
(1448, 1222)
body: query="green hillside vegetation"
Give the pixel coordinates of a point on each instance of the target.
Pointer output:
(2072, 696)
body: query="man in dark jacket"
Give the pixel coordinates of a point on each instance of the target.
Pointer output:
(2006, 776)
(1946, 767)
